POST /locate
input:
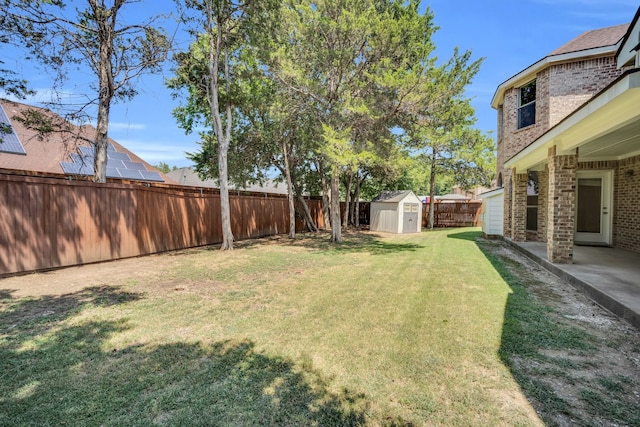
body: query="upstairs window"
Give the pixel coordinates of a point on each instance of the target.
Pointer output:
(527, 105)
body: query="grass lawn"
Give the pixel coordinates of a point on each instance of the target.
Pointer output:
(392, 330)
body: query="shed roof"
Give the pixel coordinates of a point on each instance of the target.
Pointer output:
(392, 196)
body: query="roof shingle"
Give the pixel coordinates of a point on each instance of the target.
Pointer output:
(593, 39)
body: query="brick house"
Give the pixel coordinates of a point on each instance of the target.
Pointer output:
(568, 154)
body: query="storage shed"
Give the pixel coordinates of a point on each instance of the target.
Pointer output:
(492, 215)
(396, 212)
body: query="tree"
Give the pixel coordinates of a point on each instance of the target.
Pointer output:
(164, 167)
(355, 61)
(92, 37)
(225, 30)
(439, 127)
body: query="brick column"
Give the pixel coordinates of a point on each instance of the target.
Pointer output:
(543, 196)
(561, 207)
(519, 206)
(508, 189)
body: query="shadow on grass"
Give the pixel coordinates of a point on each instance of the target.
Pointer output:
(534, 337)
(56, 371)
(353, 242)
(465, 235)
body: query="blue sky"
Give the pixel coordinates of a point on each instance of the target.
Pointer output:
(509, 34)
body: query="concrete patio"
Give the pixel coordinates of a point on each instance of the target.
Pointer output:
(609, 276)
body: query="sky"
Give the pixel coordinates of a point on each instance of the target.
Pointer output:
(509, 34)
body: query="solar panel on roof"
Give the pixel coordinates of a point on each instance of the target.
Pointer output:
(117, 156)
(130, 174)
(151, 176)
(119, 165)
(9, 142)
(133, 165)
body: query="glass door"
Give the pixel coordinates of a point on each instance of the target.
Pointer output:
(593, 207)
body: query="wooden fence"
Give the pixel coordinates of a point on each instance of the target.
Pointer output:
(47, 222)
(453, 214)
(456, 214)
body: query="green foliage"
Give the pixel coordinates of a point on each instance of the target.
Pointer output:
(165, 168)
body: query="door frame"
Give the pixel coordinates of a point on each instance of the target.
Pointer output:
(606, 209)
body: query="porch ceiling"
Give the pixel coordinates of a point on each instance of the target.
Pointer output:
(605, 128)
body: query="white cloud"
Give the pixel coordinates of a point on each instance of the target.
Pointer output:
(115, 126)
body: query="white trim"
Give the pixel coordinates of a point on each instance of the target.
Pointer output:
(491, 193)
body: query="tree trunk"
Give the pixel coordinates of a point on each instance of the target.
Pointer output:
(432, 192)
(223, 136)
(336, 229)
(326, 197)
(292, 207)
(356, 210)
(347, 201)
(106, 91)
(311, 224)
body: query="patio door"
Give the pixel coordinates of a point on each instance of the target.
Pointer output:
(593, 207)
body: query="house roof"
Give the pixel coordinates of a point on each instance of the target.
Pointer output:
(188, 177)
(392, 196)
(604, 41)
(65, 153)
(602, 37)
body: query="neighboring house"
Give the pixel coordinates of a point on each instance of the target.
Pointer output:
(569, 144)
(188, 177)
(64, 154)
(396, 212)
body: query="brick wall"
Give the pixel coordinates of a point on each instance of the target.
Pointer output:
(626, 204)
(560, 89)
(574, 83)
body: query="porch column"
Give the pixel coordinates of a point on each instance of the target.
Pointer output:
(508, 190)
(561, 206)
(519, 206)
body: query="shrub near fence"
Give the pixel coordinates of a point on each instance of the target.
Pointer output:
(47, 222)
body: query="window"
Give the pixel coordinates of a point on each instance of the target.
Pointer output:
(527, 105)
(532, 201)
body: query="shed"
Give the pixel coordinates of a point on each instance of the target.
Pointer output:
(396, 212)
(492, 215)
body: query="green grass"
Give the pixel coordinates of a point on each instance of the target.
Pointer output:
(405, 330)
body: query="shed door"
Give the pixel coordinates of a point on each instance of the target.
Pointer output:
(410, 218)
